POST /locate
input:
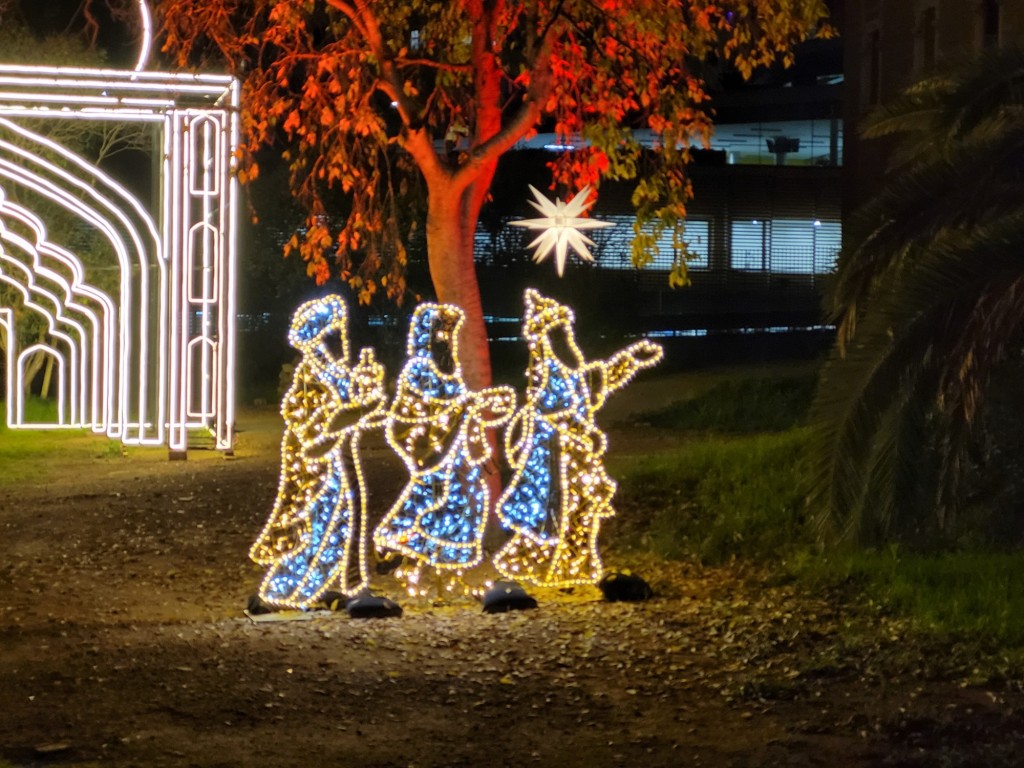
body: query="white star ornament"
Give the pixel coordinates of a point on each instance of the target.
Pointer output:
(561, 225)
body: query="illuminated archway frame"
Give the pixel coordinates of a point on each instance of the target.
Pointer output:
(168, 365)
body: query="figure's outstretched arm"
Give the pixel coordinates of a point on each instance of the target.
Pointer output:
(606, 376)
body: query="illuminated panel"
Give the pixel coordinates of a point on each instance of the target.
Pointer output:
(202, 259)
(16, 368)
(229, 270)
(559, 491)
(108, 93)
(204, 150)
(315, 538)
(62, 398)
(438, 428)
(63, 268)
(95, 404)
(46, 293)
(200, 226)
(130, 245)
(150, 390)
(200, 352)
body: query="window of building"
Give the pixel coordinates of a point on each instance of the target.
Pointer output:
(786, 246)
(828, 239)
(748, 240)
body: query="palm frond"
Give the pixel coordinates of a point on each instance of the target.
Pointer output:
(994, 79)
(926, 345)
(916, 110)
(936, 198)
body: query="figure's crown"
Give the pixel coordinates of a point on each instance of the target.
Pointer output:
(316, 318)
(543, 314)
(428, 319)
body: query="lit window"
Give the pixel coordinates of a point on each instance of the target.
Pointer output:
(803, 246)
(614, 244)
(785, 246)
(748, 245)
(828, 239)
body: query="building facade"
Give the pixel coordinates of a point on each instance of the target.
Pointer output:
(891, 44)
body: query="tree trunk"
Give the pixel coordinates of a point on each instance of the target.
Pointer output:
(453, 273)
(452, 214)
(451, 222)
(44, 392)
(32, 367)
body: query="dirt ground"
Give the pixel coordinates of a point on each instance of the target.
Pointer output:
(124, 644)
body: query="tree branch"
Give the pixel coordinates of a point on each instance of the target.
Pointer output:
(522, 122)
(432, 64)
(415, 139)
(352, 14)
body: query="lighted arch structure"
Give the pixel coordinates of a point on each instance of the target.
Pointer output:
(148, 356)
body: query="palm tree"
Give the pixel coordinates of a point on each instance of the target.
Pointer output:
(928, 301)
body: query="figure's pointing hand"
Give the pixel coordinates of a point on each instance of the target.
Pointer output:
(647, 353)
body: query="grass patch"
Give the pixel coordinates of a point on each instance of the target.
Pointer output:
(737, 491)
(741, 405)
(40, 411)
(36, 456)
(717, 498)
(974, 594)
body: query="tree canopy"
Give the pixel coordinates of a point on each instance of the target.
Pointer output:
(379, 105)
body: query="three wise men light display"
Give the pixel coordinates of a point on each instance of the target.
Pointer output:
(438, 427)
(315, 538)
(559, 491)
(317, 534)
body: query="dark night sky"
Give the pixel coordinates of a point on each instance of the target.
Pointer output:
(58, 16)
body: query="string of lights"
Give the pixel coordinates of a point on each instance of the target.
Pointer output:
(438, 428)
(560, 491)
(316, 537)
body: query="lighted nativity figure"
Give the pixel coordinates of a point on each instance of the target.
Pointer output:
(559, 490)
(438, 427)
(316, 536)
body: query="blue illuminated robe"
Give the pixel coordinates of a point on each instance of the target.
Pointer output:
(437, 427)
(313, 540)
(559, 489)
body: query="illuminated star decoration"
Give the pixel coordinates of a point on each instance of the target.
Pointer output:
(561, 224)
